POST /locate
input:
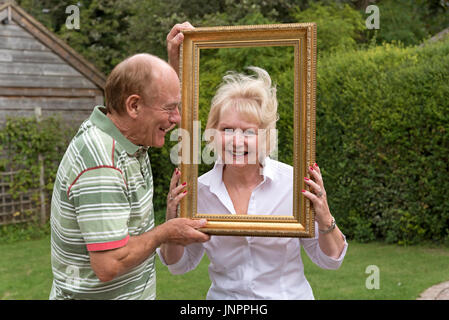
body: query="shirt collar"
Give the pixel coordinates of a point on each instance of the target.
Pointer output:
(215, 181)
(268, 171)
(100, 120)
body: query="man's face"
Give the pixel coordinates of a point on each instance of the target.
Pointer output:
(161, 113)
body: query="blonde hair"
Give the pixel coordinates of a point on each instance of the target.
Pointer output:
(254, 97)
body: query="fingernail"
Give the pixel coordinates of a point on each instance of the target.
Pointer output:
(184, 183)
(176, 171)
(303, 190)
(311, 168)
(185, 191)
(316, 165)
(307, 179)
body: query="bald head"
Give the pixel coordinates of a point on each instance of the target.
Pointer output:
(138, 74)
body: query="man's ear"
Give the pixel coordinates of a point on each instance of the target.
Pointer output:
(132, 105)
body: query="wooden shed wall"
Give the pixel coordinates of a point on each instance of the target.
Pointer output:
(32, 75)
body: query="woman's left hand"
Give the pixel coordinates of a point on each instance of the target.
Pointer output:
(176, 193)
(174, 40)
(317, 195)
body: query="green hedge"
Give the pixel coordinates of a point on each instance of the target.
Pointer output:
(383, 141)
(162, 170)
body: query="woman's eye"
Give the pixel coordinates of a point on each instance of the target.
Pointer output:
(247, 133)
(250, 133)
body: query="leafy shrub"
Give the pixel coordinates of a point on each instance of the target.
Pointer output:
(383, 139)
(410, 22)
(338, 26)
(23, 139)
(30, 230)
(162, 169)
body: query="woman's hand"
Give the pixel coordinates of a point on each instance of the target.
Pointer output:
(176, 193)
(317, 195)
(182, 231)
(174, 40)
(331, 241)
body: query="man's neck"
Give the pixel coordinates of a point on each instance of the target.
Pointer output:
(123, 126)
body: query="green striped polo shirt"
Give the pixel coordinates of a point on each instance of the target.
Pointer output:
(103, 194)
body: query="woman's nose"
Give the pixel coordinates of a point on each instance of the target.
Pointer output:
(239, 138)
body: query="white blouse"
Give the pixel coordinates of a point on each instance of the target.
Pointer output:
(254, 267)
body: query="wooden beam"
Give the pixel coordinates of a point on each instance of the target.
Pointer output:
(42, 69)
(12, 55)
(13, 30)
(3, 15)
(21, 103)
(49, 92)
(21, 44)
(36, 81)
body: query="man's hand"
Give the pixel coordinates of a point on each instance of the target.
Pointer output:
(109, 264)
(173, 249)
(174, 40)
(183, 231)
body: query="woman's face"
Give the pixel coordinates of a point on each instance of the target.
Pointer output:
(237, 139)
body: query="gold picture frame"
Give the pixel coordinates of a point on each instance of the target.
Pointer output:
(302, 37)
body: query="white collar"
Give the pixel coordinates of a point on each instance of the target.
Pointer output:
(214, 178)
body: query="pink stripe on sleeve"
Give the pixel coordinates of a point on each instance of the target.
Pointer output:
(108, 245)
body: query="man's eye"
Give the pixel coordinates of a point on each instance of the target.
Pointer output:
(172, 108)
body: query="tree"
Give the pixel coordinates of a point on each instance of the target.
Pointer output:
(338, 26)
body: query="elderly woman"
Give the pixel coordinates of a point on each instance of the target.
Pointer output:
(245, 180)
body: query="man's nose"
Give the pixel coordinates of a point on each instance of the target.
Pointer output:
(175, 116)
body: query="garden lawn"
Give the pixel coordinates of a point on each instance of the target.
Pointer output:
(25, 270)
(404, 272)
(25, 274)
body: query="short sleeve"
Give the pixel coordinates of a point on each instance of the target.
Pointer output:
(102, 208)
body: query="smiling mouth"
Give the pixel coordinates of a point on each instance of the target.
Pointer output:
(168, 129)
(239, 154)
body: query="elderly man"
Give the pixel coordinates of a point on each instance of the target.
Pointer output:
(103, 235)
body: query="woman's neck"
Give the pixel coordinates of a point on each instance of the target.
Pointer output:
(248, 176)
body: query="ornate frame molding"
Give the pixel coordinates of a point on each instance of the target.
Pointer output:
(302, 36)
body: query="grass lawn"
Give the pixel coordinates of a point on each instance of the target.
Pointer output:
(405, 272)
(25, 270)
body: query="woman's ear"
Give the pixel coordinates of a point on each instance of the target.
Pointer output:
(132, 105)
